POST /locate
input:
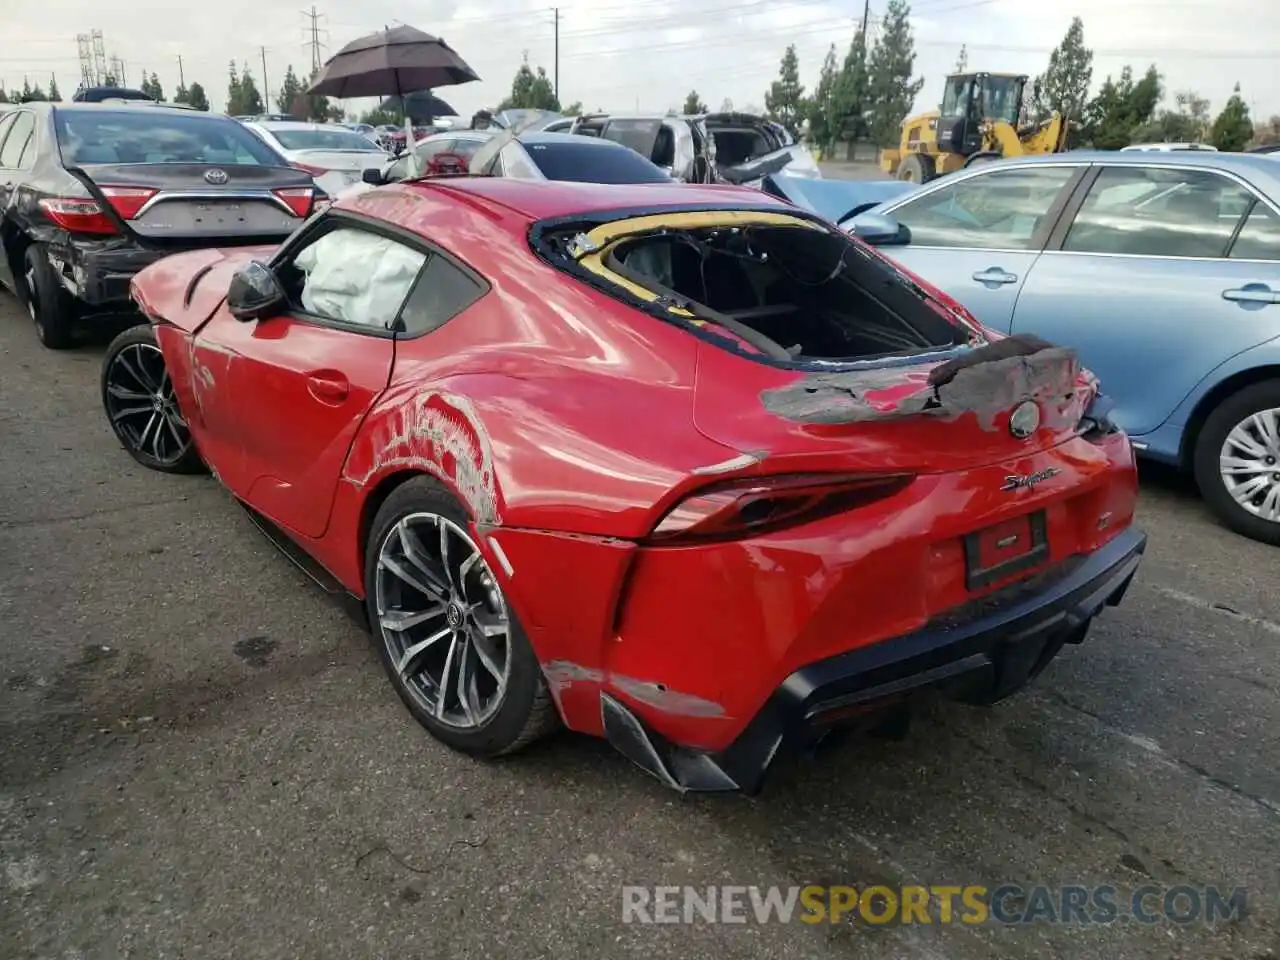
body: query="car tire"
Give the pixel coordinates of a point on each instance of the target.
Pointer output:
(518, 709)
(142, 407)
(1231, 415)
(53, 310)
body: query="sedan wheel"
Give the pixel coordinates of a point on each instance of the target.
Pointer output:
(142, 406)
(443, 619)
(448, 639)
(1249, 464)
(1237, 462)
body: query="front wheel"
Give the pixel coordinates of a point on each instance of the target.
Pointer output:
(1237, 462)
(452, 647)
(141, 405)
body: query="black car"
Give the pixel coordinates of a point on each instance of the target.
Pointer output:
(90, 193)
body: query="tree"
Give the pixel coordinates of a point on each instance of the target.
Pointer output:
(1233, 128)
(849, 96)
(4, 97)
(823, 129)
(784, 100)
(287, 99)
(1064, 86)
(196, 97)
(693, 103)
(890, 90)
(181, 94)
(235, 99)
(31, 94)
(1121, 108)
(573, 110)
(1263, 134)
(726, 105)
(1187, 122)
(55, 95)
(531, 91)
(379, 117)
(962, 61)
(250, 98)
(151, 87)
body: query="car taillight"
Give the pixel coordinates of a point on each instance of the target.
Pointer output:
(749, 507)
(78, 215)
(298, 199)
(127, 201)
(307, 168)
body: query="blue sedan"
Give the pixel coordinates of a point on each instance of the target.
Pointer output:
(1162, 270)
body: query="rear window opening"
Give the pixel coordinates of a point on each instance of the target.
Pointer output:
(791, 293)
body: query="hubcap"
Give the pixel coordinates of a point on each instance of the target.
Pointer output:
(142, 405)
(443, 620)
(1249, 464)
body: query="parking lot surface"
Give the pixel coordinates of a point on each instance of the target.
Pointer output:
(200, 757)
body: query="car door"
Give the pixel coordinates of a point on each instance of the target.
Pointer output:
(977, 236)
(17, 130)
(300, 382)
(1156, 275)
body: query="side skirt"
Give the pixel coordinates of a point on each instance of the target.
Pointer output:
(353, 606)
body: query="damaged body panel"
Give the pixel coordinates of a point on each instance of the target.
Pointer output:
(723, 526)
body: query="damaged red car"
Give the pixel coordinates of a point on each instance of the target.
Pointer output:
(683, 467)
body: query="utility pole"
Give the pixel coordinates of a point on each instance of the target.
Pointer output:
(314, 43)
(266, 87)
(556, 83)
(182, 81)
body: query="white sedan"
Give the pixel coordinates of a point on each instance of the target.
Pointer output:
(333, 155)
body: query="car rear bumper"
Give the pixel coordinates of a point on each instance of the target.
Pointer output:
(981, 653)
(98, 271)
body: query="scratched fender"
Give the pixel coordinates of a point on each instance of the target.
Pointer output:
(438, 433)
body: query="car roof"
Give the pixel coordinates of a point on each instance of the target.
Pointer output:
(125, 106)
(545, 200)
(577, 139)
(1239, 163)
(296, 125)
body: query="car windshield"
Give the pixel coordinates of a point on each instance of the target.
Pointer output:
(593, 162)
(321, 140)
(1002, 98)
(157, 136)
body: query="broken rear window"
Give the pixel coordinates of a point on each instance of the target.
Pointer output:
(780, 286)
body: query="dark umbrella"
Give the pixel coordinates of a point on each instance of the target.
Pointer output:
(423, 104)
(389, 62)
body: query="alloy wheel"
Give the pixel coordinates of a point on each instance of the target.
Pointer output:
(443, 619)
(1249, 464)
(143, 406)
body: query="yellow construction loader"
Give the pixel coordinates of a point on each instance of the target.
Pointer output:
(977, 122)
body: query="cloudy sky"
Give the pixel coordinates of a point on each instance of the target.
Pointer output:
(648, 54)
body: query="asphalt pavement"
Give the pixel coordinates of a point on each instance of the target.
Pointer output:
(201, 758)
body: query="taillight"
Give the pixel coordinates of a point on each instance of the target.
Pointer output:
(127, 201)
(750, 507)
(307, 168)
(297, 199)
(78, 215)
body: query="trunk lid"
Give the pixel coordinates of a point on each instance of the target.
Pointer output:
(341, 160)
(200, 201)
(887, 415)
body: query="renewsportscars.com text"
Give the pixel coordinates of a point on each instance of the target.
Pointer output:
(972, 904)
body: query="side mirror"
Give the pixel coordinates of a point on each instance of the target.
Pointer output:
(879, 230)
(254, 292)
(372, 177)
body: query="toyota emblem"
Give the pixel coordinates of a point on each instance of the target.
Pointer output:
(1025, 420)
(216, 177)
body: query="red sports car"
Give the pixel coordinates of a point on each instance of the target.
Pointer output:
(683, 467)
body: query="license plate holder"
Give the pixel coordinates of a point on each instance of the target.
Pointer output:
(219, 212)
(1005, 549)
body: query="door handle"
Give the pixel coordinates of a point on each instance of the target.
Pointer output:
(995, 275)
(328, 388)
(1252, 293)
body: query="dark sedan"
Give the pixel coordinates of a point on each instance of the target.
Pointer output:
(90, 193)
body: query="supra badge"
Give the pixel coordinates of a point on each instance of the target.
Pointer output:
(1028, 480)
(1025, 420)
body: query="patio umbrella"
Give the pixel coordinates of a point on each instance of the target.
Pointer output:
(420, 105)
(389, 62)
